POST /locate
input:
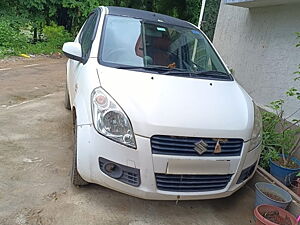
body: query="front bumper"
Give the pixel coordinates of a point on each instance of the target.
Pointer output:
(91, 146)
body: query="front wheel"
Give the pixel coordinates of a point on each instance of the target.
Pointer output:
(76, 179)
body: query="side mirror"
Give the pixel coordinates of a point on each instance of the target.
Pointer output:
(73, 51)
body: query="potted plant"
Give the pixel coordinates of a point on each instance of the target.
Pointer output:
(281, 137)
(280, 142)
(272, 215)
(288, 142)
(294, 180)
(270, 194)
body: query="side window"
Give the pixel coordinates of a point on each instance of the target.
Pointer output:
(87, 35)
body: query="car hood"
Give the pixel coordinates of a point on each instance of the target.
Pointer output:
(180, 106)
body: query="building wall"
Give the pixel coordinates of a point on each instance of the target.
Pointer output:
(259, 45)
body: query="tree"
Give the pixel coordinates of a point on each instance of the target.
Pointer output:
(149, 5)
(210, 17)
(183, 9)
(72, 13)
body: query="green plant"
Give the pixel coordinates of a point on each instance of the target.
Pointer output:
(11, 40)
(281, 136)
(56, 35)
(14, 38)
(297, 72)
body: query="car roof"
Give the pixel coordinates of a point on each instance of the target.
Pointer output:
(146, 15)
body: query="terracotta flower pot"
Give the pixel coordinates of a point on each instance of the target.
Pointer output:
(265, 214)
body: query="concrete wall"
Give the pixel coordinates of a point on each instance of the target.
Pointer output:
(259, 45)
(259, 3)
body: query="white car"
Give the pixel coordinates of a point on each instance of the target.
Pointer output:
(157, 114)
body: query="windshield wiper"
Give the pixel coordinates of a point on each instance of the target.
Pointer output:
(209, 73)
(174, 71)
(152, 68)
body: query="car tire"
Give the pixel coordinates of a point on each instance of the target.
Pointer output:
(67, 98)
(76, 179)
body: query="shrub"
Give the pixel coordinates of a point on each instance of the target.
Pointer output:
(56, 35)
(11, 39)
(279, 137)
(14, 42)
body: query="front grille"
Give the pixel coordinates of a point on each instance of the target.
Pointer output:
(184, 146)
(191, 183)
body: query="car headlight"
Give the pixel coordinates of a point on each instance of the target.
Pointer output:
(110, 120)
(256, 137)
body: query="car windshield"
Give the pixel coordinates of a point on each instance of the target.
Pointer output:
(131, 43)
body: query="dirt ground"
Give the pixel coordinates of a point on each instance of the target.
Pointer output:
(35, 162)
(25, 79)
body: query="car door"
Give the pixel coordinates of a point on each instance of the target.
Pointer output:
(85, 38)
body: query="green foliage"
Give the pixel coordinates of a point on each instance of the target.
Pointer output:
(41, 48)
(298, 36)
(210, 17)
(14, 41)
(266, 155)
(56, 35)
(54, 38)
(31, 20)
(17, 22)
(78, 11)
(9, 37)
(11, 40)
(183, 9)
(293, 92)
(279, 137)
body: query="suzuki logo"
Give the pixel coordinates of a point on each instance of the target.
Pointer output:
(200, 147)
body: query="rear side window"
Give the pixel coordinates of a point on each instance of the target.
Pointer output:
(87, 35)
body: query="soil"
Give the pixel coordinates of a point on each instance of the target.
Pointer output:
(273, 196)
(274, 217)
(290, 165)
(25, 79)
